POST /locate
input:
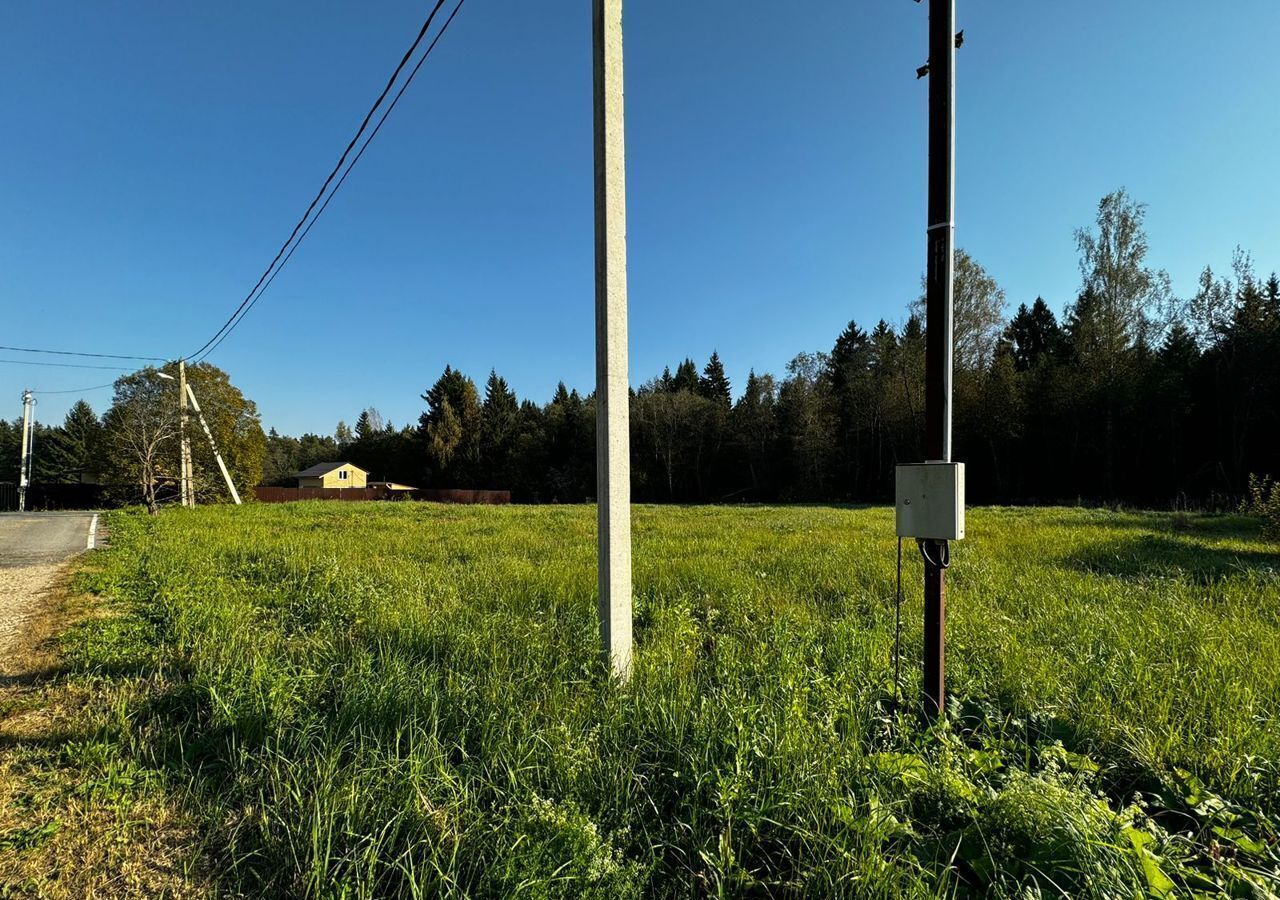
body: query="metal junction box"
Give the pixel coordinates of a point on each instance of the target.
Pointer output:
(929, 500)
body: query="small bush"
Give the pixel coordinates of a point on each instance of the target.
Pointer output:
(1263, 501)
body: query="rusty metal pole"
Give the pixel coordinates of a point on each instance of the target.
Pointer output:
(613, 396)
(939, 296)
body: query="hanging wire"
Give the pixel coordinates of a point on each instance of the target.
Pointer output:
(78, 353)
(83, 390)
(248, 301)
(240, 314)
(60, 365)
(897, 633)
(944, 555)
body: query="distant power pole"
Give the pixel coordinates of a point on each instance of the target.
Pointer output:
(188, 491)
(613, 440)
(939, 295)
(28, 450)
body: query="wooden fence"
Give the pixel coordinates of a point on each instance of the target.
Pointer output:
(458, 495)
(289, 495)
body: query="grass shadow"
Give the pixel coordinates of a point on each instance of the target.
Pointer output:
(1170, 556)
(33, 677)
(1219, 525)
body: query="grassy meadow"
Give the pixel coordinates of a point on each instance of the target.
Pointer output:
(367, 700)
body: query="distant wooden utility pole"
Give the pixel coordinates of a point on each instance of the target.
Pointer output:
(613, 440)
(188, 492)
(939, 295)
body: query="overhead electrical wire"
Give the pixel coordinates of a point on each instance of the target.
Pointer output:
(209, 348)
(300, 230)
(76, 353)
(267, 273)
(83, 390)
(32, 362)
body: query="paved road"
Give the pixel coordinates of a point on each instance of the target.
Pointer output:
(33, 547)
(42, 537)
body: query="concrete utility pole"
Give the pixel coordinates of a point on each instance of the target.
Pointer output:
(235, 495)
(28, 450)
(188, 492)
(939, 296)
(613, 439)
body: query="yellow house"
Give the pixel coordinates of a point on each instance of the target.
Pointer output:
(332, 475)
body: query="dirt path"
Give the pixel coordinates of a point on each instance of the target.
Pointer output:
(23, 590)
(33, 550)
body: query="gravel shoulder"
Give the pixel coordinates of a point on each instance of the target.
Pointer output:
(34, 547)
(24, 591)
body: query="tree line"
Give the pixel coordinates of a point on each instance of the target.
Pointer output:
(1134, 395)
(131, 453)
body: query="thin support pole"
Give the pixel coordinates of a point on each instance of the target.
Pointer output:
(939, 296)
(235, 495)
(613, 450)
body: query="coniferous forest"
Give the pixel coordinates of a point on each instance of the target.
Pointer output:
(1133, 395)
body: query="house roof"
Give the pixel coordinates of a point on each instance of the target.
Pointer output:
(324, 468)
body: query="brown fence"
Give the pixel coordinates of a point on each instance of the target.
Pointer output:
(456, 495)
(289, 495)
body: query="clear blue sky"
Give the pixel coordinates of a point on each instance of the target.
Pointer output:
(156, 154)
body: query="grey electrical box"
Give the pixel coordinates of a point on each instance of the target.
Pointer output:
(930, 501)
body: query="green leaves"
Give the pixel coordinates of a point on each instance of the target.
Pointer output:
(1159, 884)
(30, 837)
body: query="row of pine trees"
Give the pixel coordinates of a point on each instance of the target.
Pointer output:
(1134, 396)
(69, 453)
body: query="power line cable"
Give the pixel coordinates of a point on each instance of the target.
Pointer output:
(32, 362)
(76, 353)
(324, 187)
(83, 390)
(338, 186)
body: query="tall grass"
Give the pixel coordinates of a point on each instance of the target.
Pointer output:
(405, 700)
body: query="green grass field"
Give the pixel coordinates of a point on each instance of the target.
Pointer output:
(369, 700)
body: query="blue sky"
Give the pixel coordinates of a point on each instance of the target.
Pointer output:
(157, 154)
